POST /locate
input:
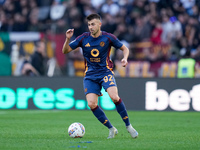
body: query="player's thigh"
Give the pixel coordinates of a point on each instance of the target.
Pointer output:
(91, 86)
(108, 80)
(113, 93)
(109, 84)
(92, 100)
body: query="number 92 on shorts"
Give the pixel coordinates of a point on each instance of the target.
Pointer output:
(94, 84)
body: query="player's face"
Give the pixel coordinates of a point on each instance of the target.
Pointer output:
(94, 26)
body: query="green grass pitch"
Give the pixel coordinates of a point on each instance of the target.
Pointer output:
(47, 129)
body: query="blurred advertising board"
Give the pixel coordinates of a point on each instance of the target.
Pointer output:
(64, 93)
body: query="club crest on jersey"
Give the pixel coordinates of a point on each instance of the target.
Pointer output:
(87, 45)
(102, 44)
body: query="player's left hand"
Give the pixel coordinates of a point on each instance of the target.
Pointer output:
(124, 62)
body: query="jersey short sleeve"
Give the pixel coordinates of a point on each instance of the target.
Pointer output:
(77, 42)
(115, 41)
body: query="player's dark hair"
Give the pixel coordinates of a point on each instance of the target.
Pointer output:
(93, 16)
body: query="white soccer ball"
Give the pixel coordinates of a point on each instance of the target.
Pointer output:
(76, 130)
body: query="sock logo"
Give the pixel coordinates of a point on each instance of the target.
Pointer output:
(105, 121)
(126, 117)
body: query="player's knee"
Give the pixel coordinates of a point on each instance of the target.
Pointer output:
(92, 105)
(115, 98)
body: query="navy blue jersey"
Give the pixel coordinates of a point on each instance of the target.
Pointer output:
(96, 51)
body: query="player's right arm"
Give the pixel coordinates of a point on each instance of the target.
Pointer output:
(66, 48)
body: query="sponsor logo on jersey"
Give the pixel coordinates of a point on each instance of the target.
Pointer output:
(95, 59)
(95, 52)
(87, 45)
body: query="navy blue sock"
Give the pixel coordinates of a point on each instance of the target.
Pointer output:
(100, 115)
(121, 109)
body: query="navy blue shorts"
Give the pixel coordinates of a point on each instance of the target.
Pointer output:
(94, 84)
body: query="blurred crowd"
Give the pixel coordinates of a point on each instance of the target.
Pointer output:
(150, 22)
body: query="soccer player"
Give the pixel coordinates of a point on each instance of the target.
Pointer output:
(96, 46)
